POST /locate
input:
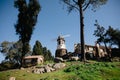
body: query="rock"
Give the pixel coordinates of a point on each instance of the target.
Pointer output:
(12, 78)
(49, 69)
(28, 71)
(74, 58)
(115, 59)
(39, 71)
(59, 66)
(22, 68)
(58, 59)
(52, 69)
(50, 65)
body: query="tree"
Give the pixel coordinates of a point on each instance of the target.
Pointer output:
(12, 51)
(109, 37)
(27, 19)
(37, 49)
(5, 46)
(47, 54)
(81, 6)
(100, 32)
(113, 35)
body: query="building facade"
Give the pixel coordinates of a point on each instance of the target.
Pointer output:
(96, 51)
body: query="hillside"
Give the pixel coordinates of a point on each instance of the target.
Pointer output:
(73, 71)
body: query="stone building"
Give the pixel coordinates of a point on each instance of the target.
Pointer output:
(35, 58)
(91, 51)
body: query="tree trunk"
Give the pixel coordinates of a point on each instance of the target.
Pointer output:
(108, 51)
(25, 49)
(119, 45)
(83, 58)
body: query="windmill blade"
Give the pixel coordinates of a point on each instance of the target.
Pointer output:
(66, 35)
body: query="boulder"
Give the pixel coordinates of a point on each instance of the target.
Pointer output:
(50, 65)
(48, 69)
(58, 59)
(115, 59)
(12, 78)
(22, 68)
(39, 71)
(74, 58)
(59, 66)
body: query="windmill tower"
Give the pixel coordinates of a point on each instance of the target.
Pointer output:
(61, 47)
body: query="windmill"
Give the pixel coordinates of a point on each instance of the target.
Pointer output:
(61, 47)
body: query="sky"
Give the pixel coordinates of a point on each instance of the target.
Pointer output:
(54, 20)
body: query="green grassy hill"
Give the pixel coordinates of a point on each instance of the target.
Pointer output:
(73, 71)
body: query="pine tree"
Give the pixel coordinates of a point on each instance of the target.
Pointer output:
(37, 49)
(81, 6)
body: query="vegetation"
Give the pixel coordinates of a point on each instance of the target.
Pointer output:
(73, 71)
(96, 71)
(11, 51)
(81, 6)
(38, 49)
(100, 33)
(27, 19)
(7, 65)
(47, 54)
(113, 36)
(110, 36)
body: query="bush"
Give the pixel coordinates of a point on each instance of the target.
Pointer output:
(8, 65)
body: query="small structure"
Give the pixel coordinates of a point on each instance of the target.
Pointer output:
(35, 58)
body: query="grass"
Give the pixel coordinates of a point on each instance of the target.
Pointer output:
(96, 71)
(73, 71)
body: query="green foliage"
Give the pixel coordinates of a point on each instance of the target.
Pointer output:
(6, 46)
(113, 36)
(37, 49)
(100, 32)
(27, 18)
(5, 65)
(12, 51)
(110, 35)
(91, 71)
(74, 4)
(47, 54)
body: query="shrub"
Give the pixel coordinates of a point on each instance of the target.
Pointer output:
(8, 65)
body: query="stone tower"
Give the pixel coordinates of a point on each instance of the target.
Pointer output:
(61, 48)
